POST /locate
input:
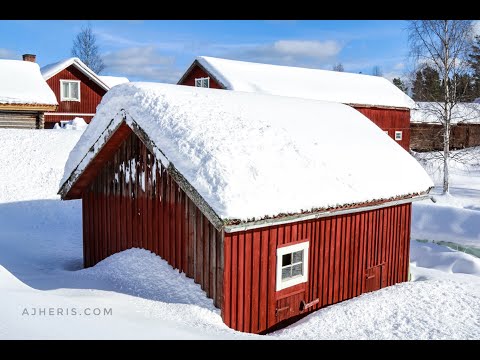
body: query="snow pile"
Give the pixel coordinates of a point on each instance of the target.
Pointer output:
(111, 81)
(253, 155)
(432, 256)
(455, 217)
(75, 124)
(41, 268)
(431, 112)
(32, 161)
(22, 83)
(316, 84)
(435, 309)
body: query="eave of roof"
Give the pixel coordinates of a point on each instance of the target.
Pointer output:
(83, 68)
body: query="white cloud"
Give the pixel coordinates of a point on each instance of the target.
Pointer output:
(287, 52)
(310, 48)
(144, 63)
(8, 54)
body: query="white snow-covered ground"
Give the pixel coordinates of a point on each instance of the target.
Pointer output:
(455, 217)
(41, 275)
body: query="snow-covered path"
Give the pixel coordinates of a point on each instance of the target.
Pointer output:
(41, 268)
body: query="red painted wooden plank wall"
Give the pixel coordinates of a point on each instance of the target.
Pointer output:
(90, 95)
(390, 120)
(133, 202)
(348, 255)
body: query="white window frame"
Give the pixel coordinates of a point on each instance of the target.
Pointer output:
(398, 135)
(283, 284)
(62, 98)
(202, 79)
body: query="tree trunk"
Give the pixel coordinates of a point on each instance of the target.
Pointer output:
(446, 156)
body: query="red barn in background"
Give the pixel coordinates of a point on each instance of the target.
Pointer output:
(375, 97)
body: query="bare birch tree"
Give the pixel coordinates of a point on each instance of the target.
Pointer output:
(86, 49)
(443, 45)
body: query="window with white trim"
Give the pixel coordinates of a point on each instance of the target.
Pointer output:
(292, 265)
(202, 82)
(69, 90)
(398, 135)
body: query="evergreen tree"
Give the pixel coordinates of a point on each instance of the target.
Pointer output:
(474, 63)
(427, 85)
(418, 88)
(399, 83)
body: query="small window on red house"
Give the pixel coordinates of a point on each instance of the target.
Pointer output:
(202, 82)
(292, 265)
(69, 90)
(398, 135)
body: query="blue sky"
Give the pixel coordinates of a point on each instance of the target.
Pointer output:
(161, 50)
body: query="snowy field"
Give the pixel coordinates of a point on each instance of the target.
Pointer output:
(135, 294)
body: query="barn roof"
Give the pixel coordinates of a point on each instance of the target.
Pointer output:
(253, 155)
(52, 69)
(316, 84)
(111, 81)
(431, 113)
(22, 84)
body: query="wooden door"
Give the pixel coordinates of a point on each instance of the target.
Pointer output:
(375, 278)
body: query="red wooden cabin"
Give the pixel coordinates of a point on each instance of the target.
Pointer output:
(270, 230)
(375, 97)
(78, 89)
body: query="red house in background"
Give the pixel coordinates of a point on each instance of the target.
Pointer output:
(78, 89)
(374, 96)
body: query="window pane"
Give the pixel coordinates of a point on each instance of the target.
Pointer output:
(198, 82)
(286, 259)
(206, 82)
(74, 90)
(297, 269)
(65, 90)
(298, 256)
(286, 272)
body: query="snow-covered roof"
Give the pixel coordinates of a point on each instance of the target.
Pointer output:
(22, 83)
(316, 84)
(430, 113)
(254, 155)
(52, 69)
(111, 81)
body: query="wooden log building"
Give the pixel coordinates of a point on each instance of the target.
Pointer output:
(273, 222)
(24, 95)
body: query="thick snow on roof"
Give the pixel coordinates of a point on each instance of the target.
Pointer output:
(316, 84)
(111, 81)
(51, 69)
(430, 113)
(253, 155)
(22, 83)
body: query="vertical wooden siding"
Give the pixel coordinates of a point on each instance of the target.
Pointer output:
(133, 202)
(343, 251)
(90, 95)
(390, 120)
